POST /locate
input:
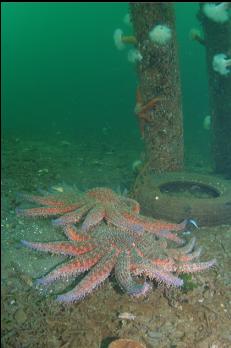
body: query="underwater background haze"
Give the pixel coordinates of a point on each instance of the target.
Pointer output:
(62, 72)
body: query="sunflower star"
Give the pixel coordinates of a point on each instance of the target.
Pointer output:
(127, 253)
(143, 110)
(96, 205)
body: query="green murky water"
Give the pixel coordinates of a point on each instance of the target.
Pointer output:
(68, 98)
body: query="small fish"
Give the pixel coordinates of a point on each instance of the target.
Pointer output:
(193, 222)
(57, 188)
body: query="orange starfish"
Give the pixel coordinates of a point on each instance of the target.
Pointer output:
(143, 110)
(97, 205)
(125, 253)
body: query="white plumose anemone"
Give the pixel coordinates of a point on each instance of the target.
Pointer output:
(217, 12)
(127, 19)
(136, 166)
(160, 34)
(120, 39)
(118, 33)
(207, 122)
(221, 63)
(134, 55)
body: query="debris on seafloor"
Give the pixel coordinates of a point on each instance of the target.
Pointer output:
(126, 316)
(126, 343)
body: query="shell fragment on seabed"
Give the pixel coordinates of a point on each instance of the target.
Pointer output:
(126, 316)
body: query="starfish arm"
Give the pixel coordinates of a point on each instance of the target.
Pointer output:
(50, 200)
(188, 248)
(44, 212)
(73, 217)
(158, 269)
(93, 218)
(117, 219)
(61, 248)
(150, 104)
(138, 261)
(167, 278)
(158, 273)
(96, 275)
(196, 267)
(168, 226)
(167, 265)
(153, 226)
(102, 194)
(132, 203)
(72, 268)
(72, 233)
(188, 257)
(170, 236)
(124, 278)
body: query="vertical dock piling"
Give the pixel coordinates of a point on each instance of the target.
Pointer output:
(159, 105)
(217, 38)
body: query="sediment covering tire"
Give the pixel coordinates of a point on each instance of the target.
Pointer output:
(213, 207)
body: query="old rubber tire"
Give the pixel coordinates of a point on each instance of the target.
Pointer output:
(177, 196)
